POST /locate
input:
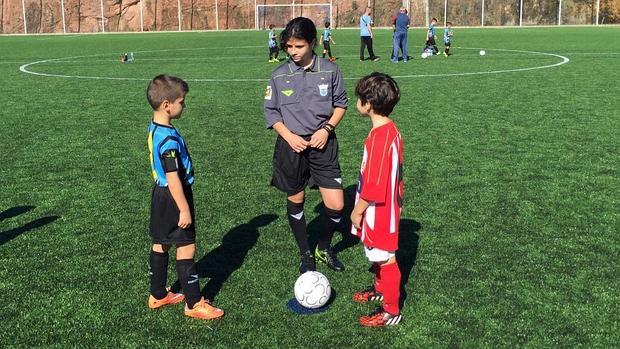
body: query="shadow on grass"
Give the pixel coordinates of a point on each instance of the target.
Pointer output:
(315, 227)
(9, 235)
(15, 211)
(408, 242)
(221, 262)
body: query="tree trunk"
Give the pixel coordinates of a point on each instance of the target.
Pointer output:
(191, 17)
(227, 5)
(2, 17)
(120, 13)
(155, 19)
(79, 5)
(40, 15)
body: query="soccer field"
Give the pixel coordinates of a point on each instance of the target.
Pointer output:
(512, 182)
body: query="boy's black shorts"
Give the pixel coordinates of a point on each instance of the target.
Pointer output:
(326, 45)
(431, 41)
(273, 50)
(292, 172)
(165, 218)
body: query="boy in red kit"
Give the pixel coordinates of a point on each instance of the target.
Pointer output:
(379, 199)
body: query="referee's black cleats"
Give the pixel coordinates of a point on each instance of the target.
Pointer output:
(307, 262)
(328, 257)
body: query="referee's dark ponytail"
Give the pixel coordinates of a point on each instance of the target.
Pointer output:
(299, 28)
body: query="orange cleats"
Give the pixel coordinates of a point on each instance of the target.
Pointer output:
(367, 295)
(380, 318)
(171, 298)
(204, 310)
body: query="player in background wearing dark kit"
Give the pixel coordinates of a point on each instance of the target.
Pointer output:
(379, 199)
(273, 46)
(304, 102)
(172, 203)
(366, 35)
(447, 39)
(327, 38)
(430, 36)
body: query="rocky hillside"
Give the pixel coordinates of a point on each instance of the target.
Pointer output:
(83, 16)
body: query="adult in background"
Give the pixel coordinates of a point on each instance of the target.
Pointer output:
(401, 26)
(366, 35)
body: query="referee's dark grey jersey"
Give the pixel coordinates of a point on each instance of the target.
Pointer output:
(304, 99)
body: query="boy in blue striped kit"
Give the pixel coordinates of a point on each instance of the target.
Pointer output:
(273, 46)
(172, 202)
(327, 38)
(430, 37)
(447, 39)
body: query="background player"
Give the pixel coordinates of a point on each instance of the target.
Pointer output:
(430, 36)
(447, 39)
(273, 45)
(327, 38)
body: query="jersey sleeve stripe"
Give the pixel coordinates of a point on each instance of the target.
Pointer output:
(387, 136)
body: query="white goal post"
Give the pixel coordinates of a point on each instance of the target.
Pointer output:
(280, 14)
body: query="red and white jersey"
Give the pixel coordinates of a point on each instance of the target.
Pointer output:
(381, 184)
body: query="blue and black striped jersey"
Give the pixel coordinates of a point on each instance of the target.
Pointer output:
(167, 146)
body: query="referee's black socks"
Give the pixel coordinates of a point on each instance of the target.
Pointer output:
(297, 221)
(158, 272)
(188, 276)
(331, 219)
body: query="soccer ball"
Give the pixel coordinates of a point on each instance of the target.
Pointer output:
(424, 55)
(312, 289)
(482, 52)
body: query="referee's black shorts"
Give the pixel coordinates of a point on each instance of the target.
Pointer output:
(293, 172)
(165, 218)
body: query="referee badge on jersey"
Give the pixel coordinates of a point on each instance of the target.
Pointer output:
(268, 93)
(323, 89)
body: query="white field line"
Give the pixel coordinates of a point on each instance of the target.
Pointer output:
(24, 68)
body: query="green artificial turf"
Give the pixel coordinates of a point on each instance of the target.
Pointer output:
(509, 234)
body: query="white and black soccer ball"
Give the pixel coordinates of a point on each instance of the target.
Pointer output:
(312, 289)
(482, 52)
(424, 55)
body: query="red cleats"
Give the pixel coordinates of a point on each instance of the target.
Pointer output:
(380, 318)
(367, 295)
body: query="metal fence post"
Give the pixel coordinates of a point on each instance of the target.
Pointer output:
(179, 13)
(62, 8)
(102, 22)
